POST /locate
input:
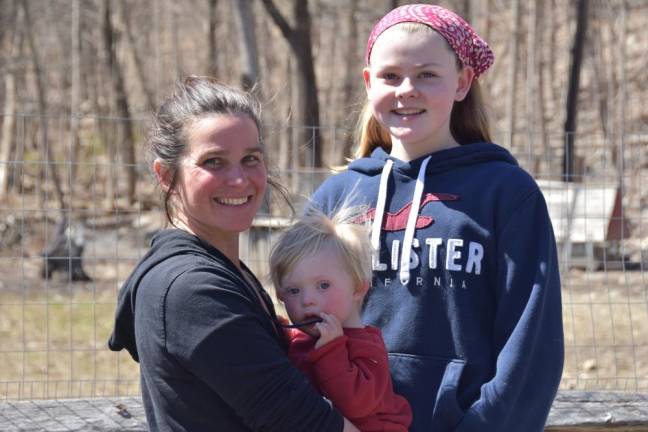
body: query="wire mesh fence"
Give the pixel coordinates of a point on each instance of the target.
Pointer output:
(56, 311)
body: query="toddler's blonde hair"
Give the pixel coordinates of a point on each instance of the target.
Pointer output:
(346, 232)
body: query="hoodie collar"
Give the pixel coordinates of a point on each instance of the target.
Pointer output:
(442, 160)
(439, 161)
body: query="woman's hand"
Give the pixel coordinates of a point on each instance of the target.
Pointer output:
(329, 329)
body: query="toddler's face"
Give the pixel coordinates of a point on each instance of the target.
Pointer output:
(320, 283)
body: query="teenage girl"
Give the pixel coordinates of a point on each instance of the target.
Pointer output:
(466, 288)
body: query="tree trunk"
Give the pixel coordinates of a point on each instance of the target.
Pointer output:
(531, 79)
(511, 99)
(8, 132)
(137, 59)
(299, 39)
(75, 93)
(308, 94)
(554, 82)
(212, 53)
(50, 164)
(248, 44)
(351, 78)
(127, 151)
(541, 97)
(622, 96)
(176, 52)
(572, 95)
(7, 142)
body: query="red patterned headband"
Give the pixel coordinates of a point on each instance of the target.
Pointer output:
(470, 48)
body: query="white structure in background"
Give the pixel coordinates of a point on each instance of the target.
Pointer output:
(588, 222)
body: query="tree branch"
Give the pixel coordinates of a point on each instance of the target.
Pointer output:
(281, 22)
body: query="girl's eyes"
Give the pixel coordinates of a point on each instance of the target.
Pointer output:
(390, 76)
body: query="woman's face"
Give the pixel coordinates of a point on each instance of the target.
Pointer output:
(221, 179)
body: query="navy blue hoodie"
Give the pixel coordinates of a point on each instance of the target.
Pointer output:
(473, 323)
(211, 359)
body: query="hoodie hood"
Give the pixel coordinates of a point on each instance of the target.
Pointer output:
(436, 162)
(164, 245)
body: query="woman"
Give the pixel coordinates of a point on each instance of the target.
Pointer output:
(211, 354)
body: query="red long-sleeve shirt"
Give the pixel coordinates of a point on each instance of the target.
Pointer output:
(353, 372)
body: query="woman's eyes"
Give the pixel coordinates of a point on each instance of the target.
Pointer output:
(213, 162)
(217, 162)
(251, 159)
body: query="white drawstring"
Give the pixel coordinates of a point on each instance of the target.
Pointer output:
(411, 218)
(411, 224)
(380, 210)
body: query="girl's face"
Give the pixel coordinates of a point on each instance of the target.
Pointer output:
(221, 178)
(320, 283)
(412, 83)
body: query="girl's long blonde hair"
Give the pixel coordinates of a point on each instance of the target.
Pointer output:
(468, 119)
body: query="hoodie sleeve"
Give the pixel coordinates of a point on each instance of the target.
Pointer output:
(213, 330)
(528, 332)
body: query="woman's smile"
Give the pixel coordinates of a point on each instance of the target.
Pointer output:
(233, 201)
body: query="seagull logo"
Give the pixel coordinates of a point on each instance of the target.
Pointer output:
(398, 221)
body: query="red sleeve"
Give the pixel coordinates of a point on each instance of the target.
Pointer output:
(353, 374)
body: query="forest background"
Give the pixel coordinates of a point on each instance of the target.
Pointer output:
(561, 66)
(79, 80)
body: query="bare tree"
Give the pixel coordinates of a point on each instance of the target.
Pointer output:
(299, 40)
(512, 74)
(127, 151)
(351, 73)
(212, 53)
(14, 47)
(248, 44)
(41, 96)
(534, 124)
(75, 90)
(540, 85)
(136, 55)
(172, 17)
(574, 86)
(622, 97)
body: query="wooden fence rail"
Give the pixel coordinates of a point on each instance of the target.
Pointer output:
(572, 412)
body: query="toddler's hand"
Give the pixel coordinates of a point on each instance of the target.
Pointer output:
(329, 329)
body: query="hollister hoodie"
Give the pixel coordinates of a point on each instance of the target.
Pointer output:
(466, 288)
